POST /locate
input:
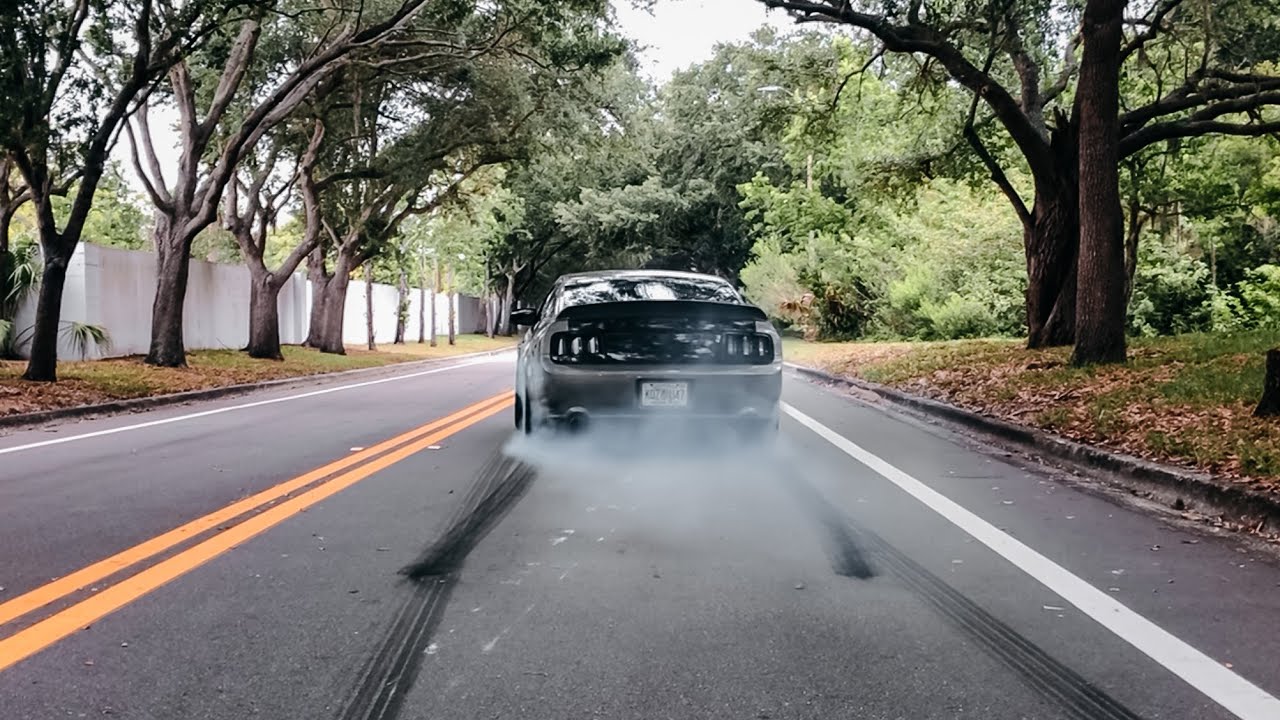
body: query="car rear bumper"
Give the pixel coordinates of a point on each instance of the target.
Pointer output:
(715, 394)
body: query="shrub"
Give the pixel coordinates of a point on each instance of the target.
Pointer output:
(1172, 293)
(960, 317)
(1260, 296)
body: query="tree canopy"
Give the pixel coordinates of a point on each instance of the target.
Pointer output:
(889, 169)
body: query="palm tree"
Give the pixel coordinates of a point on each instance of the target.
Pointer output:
(19, 275)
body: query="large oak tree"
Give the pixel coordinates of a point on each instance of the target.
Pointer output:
(70, 73)
(408, 140)
(227, 97)
(1186, 69)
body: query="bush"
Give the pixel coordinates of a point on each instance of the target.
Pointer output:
(1226, 313)
(770, 281)
(1172, 293)
(1260, 296)
(903, 313)
(960, 317)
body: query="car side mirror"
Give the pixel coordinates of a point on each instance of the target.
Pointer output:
(524, 317)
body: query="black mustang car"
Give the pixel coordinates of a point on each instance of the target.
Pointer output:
(634, 346)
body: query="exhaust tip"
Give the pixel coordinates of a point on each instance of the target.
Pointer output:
(576, 420)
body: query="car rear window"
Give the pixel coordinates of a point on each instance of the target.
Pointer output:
(603, 290)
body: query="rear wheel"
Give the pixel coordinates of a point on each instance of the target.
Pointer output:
(526, 417)
(520, 424)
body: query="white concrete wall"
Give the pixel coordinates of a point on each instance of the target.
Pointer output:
(114, 288)
(385, 298)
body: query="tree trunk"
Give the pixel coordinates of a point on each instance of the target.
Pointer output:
(422, 297)
(1100, 306)
(368, 303)
(507, 301)
(6, 221)
(7, 308)
(172, 268)
(1051, 241)
(319, 281)
(422, 313)
(435, 291)
(335, 301)
(264, 317)
(453, 332)
(43, 364)
(402, 307)
(1269, 405)
(485, 309)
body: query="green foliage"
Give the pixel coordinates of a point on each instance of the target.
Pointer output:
(83, 336)
(19, 276)
(709, 129)
(944, 264)
(960, 317)
(1260, 297)
(117, 218)
(213, 244)
(1226, 313)
(771, 281)
(1229, 191)
(817, 241)
(464, 236)
(23, 272)
(961, 271)
(423, 130)
(1172, 293)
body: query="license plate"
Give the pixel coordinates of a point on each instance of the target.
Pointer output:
(664, 394)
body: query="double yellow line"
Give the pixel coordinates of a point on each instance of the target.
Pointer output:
(340, 475)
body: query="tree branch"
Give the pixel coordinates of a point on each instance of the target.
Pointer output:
(1199, 91)
(233, 73)
(99, 143)
(997, 173)
(1028, 73)
(154, 188)
(67, 45)
(1190, 128)
(928, 41)
(1069, 67)
(1154, 23)
(156, 182)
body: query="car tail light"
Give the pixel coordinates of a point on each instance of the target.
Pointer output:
(738, 348)
(571, 348)
(748, 348)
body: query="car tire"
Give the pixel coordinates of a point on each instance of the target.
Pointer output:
(519, 405)
(526, 419)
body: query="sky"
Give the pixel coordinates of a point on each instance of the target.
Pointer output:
(679, 33)
(673, 35)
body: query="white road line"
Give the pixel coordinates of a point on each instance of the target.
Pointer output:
(1239, 696)
(233, 408)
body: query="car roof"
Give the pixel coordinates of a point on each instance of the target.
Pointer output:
(639, 274)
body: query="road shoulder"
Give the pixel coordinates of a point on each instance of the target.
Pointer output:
(24, 421)
(1187, 494)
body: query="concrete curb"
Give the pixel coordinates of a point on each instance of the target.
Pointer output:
(1240, 504)
(120, 407)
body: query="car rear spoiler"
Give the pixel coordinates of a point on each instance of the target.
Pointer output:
(687, 309)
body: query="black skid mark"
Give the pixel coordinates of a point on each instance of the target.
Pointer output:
(389, 675)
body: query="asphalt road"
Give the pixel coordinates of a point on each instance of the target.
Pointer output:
(275, 556)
